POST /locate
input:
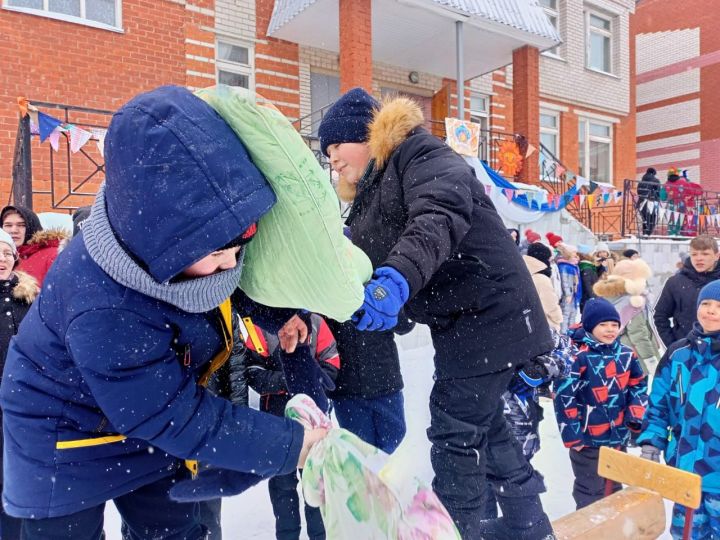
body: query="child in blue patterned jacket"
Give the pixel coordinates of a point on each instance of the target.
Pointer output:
(602, 401)
(683, 418)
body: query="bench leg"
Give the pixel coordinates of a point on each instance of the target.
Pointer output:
(687, 529)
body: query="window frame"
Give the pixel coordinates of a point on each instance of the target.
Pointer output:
(585, 146)
(45, 12)
(552, 131)
(609, 34)
(482, 115)
(235, 68)
(553, 12)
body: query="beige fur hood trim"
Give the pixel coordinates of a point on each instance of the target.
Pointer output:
(27, 287)
(396, 118)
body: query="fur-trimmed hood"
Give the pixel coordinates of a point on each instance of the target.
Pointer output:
(616, 286)
(26, 288)
(392, 123)
(49, 238)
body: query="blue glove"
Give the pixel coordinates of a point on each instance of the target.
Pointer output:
(385, 295)
(213, 483)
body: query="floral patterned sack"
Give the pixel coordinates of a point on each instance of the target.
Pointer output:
(358, 490)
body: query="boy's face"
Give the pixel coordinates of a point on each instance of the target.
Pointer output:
(708, 315)
(213, 263)
(349, 160)
(14, 225)
(606, 332)
(703, 260)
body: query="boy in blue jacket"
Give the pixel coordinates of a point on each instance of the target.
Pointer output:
(683, 418)
(602, 401)
(102, 393)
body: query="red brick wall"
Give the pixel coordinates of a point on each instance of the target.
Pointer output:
(274, 56)
(356, 48)
(55, 61)
(667, 15)
(526, 104)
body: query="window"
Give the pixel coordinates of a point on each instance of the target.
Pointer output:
(324, 90)
(480, 114)
(550, 140)
(234, 64)
(553, 14)
(98, 13)
(599, 42)
(595, 150)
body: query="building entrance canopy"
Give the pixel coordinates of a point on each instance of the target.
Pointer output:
(420, 35)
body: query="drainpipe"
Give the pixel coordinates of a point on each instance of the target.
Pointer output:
(460, 80)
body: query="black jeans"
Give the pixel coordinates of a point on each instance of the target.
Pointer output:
(147, 512)
(286, 507)
(471, 441)
(589, 486)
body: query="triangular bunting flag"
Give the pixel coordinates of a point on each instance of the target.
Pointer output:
(78, 137)
(559, 170)
(582, 200)
(54, 138)
(606, 197)
(591, 200)
(509, 193)
(488, 189)
(530, 198)
(99, 136)
(530, 150)
(47, 125)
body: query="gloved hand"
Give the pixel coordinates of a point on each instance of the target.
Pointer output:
(385, 295)
(303, 375)
(648, 451)
(212, 483)
(520, 388)
(534, 373)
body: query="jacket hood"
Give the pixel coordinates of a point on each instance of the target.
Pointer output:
(390, 127)
(179, 183)
(32, 221)
(26, 287)
(689, 271)
(534, 266)
(49, 238)
(609, 288)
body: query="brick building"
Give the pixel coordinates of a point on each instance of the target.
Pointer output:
(575, 98)
(678, 73)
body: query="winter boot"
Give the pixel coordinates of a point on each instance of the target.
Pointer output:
(523, 517)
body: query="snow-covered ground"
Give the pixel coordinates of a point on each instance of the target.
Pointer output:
(249, 515)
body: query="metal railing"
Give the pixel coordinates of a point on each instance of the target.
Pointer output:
(670, 212)
(67, 179)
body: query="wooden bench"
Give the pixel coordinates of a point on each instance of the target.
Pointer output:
(637, 512)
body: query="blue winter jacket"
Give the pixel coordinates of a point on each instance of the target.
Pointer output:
(95, 360)
(683, 417)
(604, 396)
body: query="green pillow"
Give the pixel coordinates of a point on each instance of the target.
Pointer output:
(300, 257)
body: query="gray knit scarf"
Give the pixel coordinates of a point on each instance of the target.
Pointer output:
(196, 295)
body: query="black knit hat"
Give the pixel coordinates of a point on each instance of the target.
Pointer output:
(539, 251)
(348, 119)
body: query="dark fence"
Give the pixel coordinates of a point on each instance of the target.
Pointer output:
(683, 210)
(62, 180)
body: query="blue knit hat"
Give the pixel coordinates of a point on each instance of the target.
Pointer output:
(348, 119)
(711, 291)
(598, 310)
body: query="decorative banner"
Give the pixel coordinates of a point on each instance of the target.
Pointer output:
(582, 199)
(47, 125)
(509, 193)
(510, 158)
(591, 200)
(530, 150)
(463, 137)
